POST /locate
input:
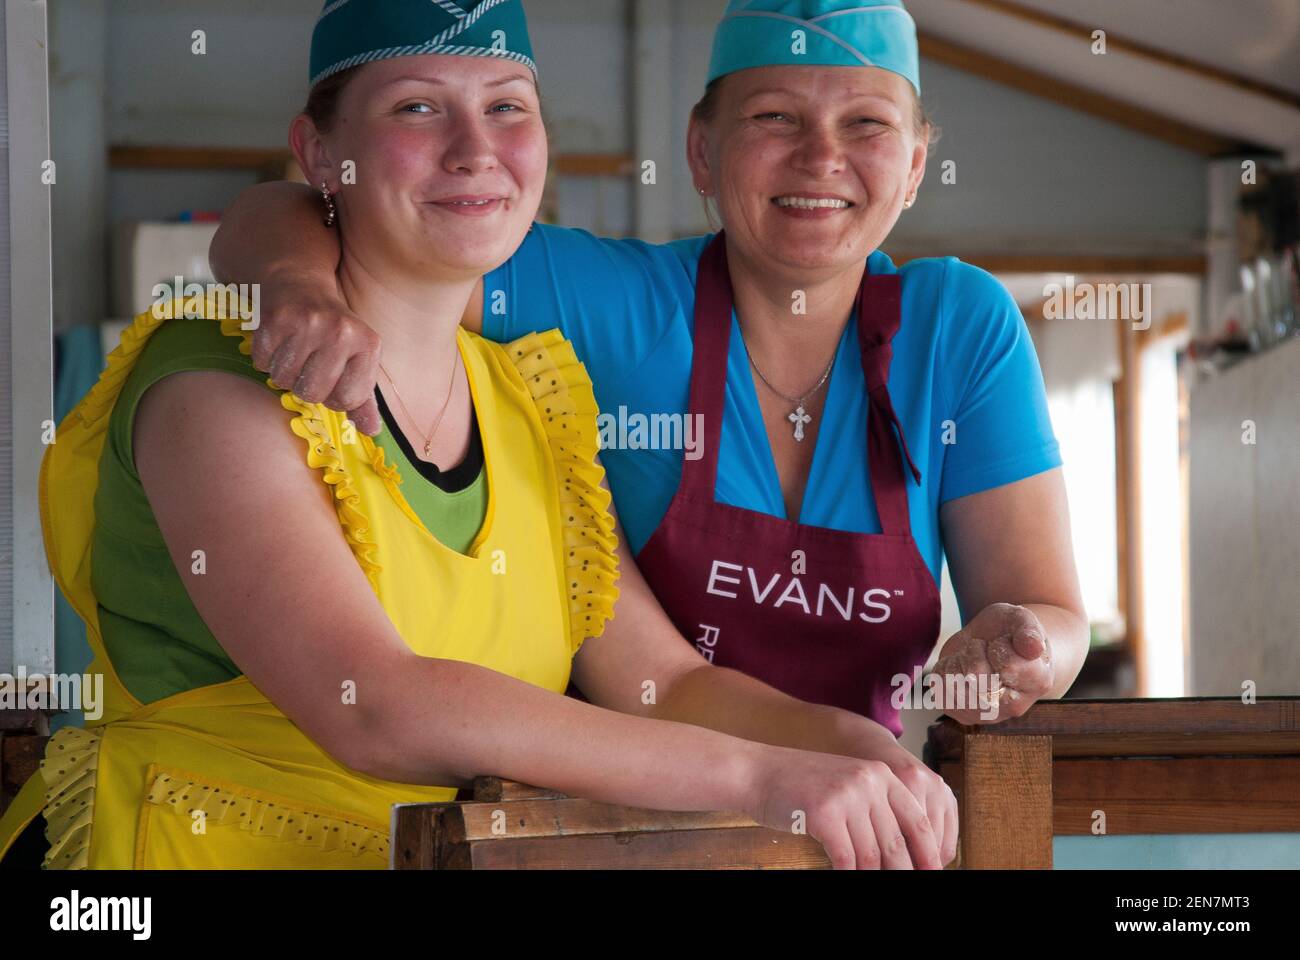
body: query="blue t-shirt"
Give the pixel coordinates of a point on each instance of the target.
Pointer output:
(965, 382)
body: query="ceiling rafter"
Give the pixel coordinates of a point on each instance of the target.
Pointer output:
(1150, 122)
(1124, 44)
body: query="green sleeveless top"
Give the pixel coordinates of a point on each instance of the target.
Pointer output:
(153, 634)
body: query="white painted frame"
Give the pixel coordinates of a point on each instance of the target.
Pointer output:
(30, 320)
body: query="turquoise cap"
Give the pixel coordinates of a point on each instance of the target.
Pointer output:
(352, 32)
(821, 33)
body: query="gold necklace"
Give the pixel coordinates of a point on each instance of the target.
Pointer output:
(428, 441)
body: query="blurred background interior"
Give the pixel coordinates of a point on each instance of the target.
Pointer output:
(1171, 159)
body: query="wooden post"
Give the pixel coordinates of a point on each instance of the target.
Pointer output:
(1006, 818)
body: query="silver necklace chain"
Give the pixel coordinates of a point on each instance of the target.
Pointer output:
(799, 416)
(800, 400)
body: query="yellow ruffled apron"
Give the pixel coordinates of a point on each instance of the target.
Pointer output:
(218, 777)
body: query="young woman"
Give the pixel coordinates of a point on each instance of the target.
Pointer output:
(300, 625)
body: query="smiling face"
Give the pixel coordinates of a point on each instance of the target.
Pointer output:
(450, 161)
(810, 165)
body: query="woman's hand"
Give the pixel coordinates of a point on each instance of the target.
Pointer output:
(307, 340)
(863, 814)
(936, 799)
(868, 740)
(1006, 650)
(312, 344)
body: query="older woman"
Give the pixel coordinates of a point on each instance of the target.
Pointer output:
(300, 627)
(861, 420)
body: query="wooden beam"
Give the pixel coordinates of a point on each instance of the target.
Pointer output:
(569, 817)
(1163, 57)
(594, 164)
(144, 157)
(1148, 122)
(496, 790)
(1142, 795)
(1176, 727)
(566, 833)
(1174, 745)
(1195, 718)
(751, 848)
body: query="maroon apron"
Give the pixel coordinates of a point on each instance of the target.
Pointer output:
(825, 615)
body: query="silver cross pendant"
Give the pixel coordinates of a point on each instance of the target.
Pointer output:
(799, 418)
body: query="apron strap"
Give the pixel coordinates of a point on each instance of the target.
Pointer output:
(879, 310)
(879, 317)
(713, 307)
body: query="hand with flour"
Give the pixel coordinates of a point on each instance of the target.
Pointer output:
(1006, 650)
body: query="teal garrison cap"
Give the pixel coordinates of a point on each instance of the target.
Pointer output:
(830, 33)
(352, 32)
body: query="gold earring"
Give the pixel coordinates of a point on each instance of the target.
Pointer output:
(331, 212)
(907, 204)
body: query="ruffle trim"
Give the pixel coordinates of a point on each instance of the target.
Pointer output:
(264, 818)
(562, 391)
(69, 769)
(310, 423)
(98, 402)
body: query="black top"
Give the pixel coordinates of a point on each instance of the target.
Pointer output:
(452, 480)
